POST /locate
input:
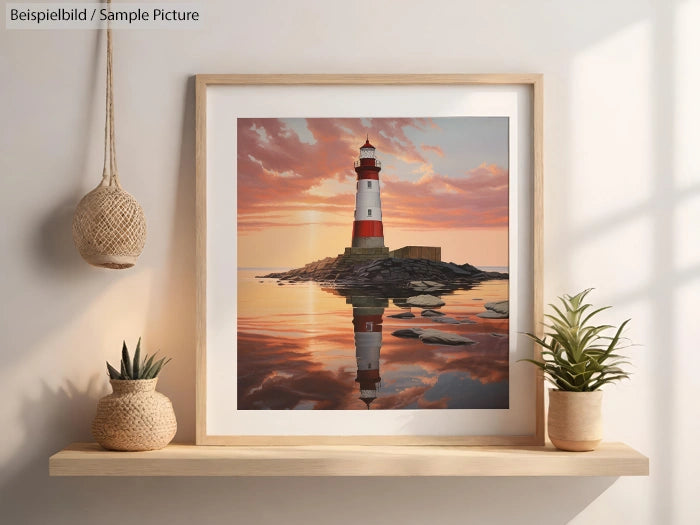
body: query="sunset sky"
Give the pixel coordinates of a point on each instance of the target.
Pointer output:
(444, 182)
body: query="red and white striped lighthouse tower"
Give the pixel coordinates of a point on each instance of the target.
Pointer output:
(367, 229)
(367, 324)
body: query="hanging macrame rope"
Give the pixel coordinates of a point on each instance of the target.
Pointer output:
(110, 174)
(109, 227)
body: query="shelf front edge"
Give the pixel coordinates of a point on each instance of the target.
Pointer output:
(88, 459)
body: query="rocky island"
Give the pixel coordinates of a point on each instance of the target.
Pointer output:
(389, 276)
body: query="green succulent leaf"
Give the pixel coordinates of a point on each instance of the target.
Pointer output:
(137, 359)
(148, 365)
(157, 367)
(113, 372)
(127, 362)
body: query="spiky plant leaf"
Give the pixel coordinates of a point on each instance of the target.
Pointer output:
(150, 366)
(127, 362)
(137, 358)
(157, 367)
(113, 372)
(147, 366)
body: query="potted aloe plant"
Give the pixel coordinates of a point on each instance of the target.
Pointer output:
(578, 357)
(134, 416)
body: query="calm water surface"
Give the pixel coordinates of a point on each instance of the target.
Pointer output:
(300, 346)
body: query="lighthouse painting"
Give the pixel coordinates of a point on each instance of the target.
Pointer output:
(373, 263)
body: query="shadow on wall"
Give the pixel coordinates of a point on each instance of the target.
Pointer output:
(55, 240)
(175, 303)
(53, 251)
(54, 243)
(311, 500)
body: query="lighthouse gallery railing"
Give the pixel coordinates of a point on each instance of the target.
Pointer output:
(377, 163)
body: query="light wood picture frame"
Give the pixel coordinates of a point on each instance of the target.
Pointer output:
(223, 100)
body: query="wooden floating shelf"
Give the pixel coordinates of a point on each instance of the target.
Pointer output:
(88, 459)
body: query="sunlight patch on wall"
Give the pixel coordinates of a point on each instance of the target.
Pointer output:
(686, 237)
(686, 218)
(611, 106)
(687, 99)
(616, 259)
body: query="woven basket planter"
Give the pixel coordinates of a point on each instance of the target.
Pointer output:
(134, 417)
(109, 228)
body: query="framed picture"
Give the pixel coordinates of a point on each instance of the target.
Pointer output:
(368, 256)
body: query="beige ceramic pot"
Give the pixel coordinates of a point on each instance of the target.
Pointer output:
(575, 420)
(134, 417)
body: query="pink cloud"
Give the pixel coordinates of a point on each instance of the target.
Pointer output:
(434, 149)
(402, 399)
(477, 199)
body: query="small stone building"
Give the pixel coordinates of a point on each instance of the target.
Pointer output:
(432, 253)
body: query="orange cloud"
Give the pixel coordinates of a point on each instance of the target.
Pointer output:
(479, 199)
(404, 398)
(434, 149)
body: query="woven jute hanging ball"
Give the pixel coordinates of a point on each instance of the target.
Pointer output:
(109, 227)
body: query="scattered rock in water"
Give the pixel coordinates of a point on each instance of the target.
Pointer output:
(491, 315)
(495, 310)
(446, 320)
(410, 333)
(433, 337)
(425, 300)
(500, 306)
(403, 315)
(467, 321)
(280, 283)
(431, 313)
(436, 337)
(477, 299)
(427, 286)
(494, 334)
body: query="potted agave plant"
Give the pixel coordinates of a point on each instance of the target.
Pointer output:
(578, 357)
(134, 416)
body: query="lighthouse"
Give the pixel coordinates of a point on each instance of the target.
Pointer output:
(367, 229)
(367, 324)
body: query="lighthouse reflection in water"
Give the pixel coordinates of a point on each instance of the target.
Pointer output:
(305, 347)
(367, 313)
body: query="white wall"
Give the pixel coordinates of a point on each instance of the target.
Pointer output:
(622, 203)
